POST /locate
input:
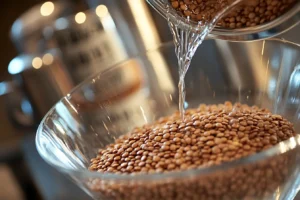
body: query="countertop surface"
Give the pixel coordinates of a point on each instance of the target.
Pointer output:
(51, 184)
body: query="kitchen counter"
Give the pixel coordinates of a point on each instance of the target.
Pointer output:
(51, 184)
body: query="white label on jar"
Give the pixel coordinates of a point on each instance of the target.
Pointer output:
(89, 48)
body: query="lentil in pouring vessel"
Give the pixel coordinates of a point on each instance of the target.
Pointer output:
(248, 14)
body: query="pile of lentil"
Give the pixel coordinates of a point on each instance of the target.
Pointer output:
(209, 135)
(250, 13)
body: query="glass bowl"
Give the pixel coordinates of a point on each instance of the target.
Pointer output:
(143, 88)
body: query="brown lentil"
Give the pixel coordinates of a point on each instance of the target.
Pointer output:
(203, 144)
(250, 13)
(240, 132)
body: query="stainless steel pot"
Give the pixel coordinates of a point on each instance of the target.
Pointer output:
(17, 106)
(41, 78)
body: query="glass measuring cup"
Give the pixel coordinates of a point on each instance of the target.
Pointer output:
(277, 26)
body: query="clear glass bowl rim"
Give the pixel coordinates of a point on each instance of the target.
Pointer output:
(282, 147)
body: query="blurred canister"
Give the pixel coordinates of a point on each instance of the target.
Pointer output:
(27, 32)
(75, 47)
(43, 79)
(89, 42)
(107, 33)
(141, 29)
(138, 19)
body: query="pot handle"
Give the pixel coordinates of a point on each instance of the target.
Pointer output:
(18, 107)
(6, 87)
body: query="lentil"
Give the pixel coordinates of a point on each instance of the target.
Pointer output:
(195, 138)
(201, 145)
(250, 13)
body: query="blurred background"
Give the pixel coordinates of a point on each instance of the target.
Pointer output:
(47, 48)
(9, 137)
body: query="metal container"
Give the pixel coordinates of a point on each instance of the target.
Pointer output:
(42, 78)
(27, 32)
(106, 34)
(136, 20)
(78, 46)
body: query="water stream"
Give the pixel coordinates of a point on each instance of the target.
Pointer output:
(186, 41)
